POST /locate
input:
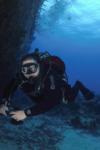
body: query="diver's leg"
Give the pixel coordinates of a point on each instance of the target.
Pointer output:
(69, 93)
(72, 92)
(81, 87)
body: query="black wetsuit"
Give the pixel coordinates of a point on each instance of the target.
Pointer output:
(47, 90)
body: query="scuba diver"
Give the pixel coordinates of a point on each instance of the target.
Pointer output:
(42, 77)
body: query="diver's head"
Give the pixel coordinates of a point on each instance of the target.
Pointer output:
(30, 67)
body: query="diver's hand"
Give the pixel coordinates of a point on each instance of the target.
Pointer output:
(3, 109)
(18, 115)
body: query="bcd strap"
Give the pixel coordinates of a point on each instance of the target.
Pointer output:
(52, 86)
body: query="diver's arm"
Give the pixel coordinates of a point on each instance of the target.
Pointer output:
(8, 91)
(41, 108)
(50, 101)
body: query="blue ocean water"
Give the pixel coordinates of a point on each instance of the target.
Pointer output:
(69, 29)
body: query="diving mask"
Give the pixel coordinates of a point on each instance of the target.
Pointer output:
(29, 68)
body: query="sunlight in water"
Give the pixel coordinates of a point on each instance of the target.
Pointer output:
(63, 17)
(70, 29)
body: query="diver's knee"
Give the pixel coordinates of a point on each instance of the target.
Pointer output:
(78, 82)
